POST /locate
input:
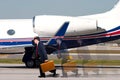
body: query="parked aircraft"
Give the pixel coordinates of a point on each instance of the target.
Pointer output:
(73, 31)
(82, 30)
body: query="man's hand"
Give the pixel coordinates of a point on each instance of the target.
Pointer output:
(46, 60)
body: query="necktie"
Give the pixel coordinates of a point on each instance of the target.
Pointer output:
(36, 51)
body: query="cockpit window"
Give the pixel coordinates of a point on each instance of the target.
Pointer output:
(11, 32)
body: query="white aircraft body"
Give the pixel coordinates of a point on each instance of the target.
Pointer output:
(73, 31)
(14, 33)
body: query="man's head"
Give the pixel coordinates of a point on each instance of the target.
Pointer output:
(36, 40)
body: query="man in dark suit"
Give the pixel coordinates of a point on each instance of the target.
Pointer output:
(41, 55)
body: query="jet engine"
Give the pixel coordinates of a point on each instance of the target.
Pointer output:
(47, 25)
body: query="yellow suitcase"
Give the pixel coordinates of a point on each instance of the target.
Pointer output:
(70, 66)
(47, 66)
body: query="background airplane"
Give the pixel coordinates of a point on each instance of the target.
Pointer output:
(81, 31)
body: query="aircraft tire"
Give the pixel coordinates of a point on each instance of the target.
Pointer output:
(30, 64)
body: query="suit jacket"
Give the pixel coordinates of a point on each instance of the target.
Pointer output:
(42, 52)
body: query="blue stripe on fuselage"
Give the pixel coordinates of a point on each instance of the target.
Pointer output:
(71, 41)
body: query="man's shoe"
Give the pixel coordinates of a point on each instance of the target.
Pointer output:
(55, 75)
(41, 76)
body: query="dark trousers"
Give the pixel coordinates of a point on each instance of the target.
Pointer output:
(40, 70)
(53, 71)
(38, 63)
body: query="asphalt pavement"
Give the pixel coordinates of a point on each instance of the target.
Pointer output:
(20, 72)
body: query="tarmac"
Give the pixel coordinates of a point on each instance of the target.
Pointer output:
(99, 72)
(20, 72)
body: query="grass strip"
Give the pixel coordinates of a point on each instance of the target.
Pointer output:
(58, 61)
(12, 61)
(94, 62)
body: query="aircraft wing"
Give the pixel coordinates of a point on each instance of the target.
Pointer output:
(59, 34)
